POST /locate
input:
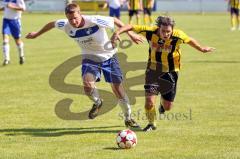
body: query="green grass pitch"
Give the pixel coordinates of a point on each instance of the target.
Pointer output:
(207, 100)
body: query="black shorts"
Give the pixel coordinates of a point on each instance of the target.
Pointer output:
(132, 12)
(147, 11)
(234, 11)
(164, 83)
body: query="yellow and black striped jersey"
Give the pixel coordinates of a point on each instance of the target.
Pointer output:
(134, 4)
(147, 3)
(164, 56)
(234, 4)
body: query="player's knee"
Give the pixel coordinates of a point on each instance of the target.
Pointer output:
(124, 100)
(167, 105)
(5, 42)
(88, 90)
(20, 43)
(149, 104)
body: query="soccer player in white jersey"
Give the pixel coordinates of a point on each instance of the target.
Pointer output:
(114, 7)
(12, 26)
(90, 33)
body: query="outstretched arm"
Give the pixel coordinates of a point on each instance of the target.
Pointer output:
(116, 34)
(46, 28)
(135, 38)
(197, 46)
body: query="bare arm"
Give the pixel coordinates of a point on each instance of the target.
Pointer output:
(118, 23)
(44, 29)
(116, 34)
(135, 38)
(197, 46)
(105, 5)
(126, 28)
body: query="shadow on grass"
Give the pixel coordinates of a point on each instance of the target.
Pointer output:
(214, 61)
(113, 148)
(55, 132)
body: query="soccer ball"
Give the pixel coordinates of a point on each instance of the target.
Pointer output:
(126, 139)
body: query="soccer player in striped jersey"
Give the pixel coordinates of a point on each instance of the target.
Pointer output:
(147, 11)
(12, 26)
(234, 11)
(134, 8)
(90, 34)
(163, 63)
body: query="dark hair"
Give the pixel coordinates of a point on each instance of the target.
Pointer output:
(71, 8)
(165, 20)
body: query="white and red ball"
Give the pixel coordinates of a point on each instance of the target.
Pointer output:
(126, 139)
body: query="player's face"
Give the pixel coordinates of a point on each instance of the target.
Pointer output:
(165, 32)
(74, 19)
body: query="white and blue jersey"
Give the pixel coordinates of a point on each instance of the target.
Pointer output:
(114, 7)
(98, 55)
(11, 18)
(92, 37)
(11, 13)
(116, 4)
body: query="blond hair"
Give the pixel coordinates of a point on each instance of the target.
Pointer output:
(72, 8)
